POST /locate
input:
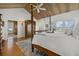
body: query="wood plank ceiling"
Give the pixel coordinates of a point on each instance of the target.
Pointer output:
(52, 8)
(12, 5)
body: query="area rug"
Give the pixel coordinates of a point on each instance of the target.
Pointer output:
(25, 46)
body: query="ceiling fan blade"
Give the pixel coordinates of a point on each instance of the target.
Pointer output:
(34, 6)
(42, 8)
(40, 5)
(34, 9)
(38, 10)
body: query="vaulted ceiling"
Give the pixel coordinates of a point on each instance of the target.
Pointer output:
(51, 8)
(54, 9)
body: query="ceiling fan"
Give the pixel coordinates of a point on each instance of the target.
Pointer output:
(38, 7)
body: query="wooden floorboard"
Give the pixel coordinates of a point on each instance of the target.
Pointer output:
(13, 51)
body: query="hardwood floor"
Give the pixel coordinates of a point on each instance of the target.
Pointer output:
(11, 51)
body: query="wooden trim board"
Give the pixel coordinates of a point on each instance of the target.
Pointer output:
(42, 49)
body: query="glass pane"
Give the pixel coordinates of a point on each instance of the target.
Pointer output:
(68, 23)
(59, 24)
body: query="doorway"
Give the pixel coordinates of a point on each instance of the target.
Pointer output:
(12, 28)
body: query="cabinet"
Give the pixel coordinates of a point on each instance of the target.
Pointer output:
(28, 32)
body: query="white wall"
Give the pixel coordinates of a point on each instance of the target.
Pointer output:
(5, 30)
(74, 15)
(13, 14)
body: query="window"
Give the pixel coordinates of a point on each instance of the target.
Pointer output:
(68, 23)
(64, 24)
(59, 24)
